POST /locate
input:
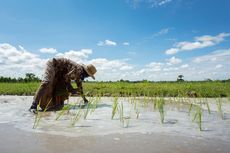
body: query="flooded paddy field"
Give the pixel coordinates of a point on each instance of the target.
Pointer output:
(117, 124)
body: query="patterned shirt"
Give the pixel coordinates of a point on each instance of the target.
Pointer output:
(69, 70)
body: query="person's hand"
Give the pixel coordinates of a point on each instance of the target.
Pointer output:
(85, 101)
(74, 91)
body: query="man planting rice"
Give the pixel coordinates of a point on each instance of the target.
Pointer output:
(56, 84)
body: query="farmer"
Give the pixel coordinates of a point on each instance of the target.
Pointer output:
(57, 77)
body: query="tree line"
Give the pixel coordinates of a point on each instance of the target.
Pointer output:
(29, 77)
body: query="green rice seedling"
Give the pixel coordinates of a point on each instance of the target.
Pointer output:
(190, 108)
(209, 110)
(114, 107)
(94, 102)
(37, 116)
(121, 112)
(64, 109)
(89, 106)
(77, 117)
(137, 114)
(145, 104)
(219, 107)
(160, 106)
(155, 103)
(198, 116)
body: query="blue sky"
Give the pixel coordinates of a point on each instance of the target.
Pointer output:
(125, 39)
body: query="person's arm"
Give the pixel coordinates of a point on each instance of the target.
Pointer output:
(70, 88)
(80, 90)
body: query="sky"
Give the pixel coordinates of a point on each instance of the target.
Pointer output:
(133, 40)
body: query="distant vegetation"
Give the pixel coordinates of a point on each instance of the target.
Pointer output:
(29, 77)
(179, 88)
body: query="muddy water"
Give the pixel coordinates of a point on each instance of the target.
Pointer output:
(99, 129)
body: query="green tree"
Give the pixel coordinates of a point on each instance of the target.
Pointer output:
(180, 77)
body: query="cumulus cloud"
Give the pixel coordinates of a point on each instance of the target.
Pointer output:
(105, 64)
(16, 61)
(173, 60)
(200, 42)
(216, 56)
(48, 50)
(111, 69)
(77, 56)
(106, 43)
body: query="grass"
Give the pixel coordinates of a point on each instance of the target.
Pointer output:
(121, 89)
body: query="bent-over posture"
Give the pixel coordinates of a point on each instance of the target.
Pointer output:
(57, 77)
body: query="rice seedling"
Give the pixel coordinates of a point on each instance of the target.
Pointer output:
(135, 103)
(209, 110)
(137, 114)
(77, 117)
(219, 107)
(145, 104)
(160, 106)
(94, 103)
(121, 112)
(37, 116)
(198, 116)
(89, 106)
(190, 108)
(64, 109)
(114, 107)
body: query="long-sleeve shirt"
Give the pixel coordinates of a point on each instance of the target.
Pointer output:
(69, 70)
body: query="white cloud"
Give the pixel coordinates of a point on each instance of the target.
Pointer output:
(126, 43)
(218, 66)
(111, 69)
(173, 60)
(172, 51)
(77, 56)
(184, 66)
(106, 43)
(215, 56)
(16, 62)
(163, 2)
(155, 66)
(48, 50)
(149, 3)
(200, 42)
(105, 64)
